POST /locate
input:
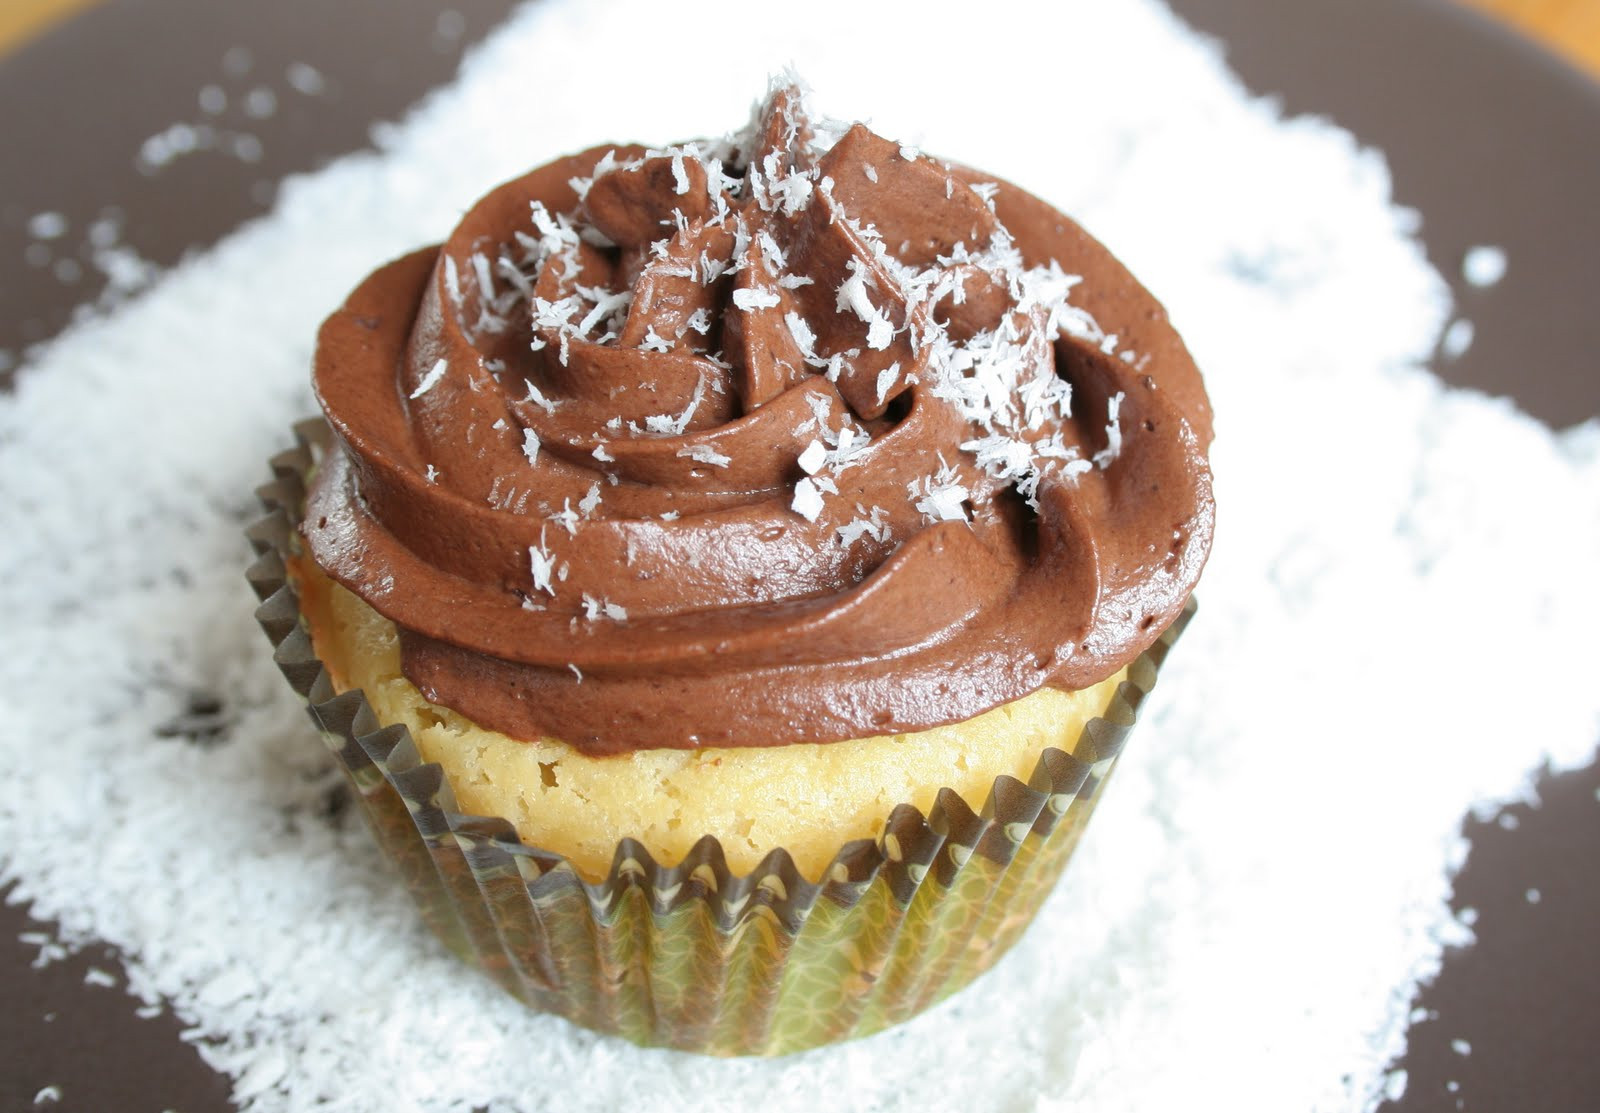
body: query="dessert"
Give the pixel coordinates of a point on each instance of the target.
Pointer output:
(718, 519)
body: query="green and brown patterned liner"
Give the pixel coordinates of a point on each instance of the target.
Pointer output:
(691, 955)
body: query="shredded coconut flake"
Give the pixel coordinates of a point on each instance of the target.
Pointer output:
(943, 502)
(1457, 338)
(594, 608)
(431, 379)
(654, 343)
(705, 454)
(871, 523)
(542, 563)
(1484, 265)
(886, 379)
(812, 459)
(1107, 455)
(751, 299)
(807, 499)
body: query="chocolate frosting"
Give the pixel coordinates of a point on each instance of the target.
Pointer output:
(786, 437)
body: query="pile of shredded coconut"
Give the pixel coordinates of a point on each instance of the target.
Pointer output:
(1266, 883)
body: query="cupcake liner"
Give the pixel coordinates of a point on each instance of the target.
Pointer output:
(691, 955)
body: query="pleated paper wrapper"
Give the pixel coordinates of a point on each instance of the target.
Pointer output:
(690, 955)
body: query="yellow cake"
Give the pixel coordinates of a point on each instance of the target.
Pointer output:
(808, 798)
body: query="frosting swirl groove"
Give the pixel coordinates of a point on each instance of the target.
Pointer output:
(786, 437)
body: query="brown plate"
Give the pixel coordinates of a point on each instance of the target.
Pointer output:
(1493, 141)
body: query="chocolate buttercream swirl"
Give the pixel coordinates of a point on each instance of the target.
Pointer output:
(785, 437)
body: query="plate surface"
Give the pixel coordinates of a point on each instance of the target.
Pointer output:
(1491, 140)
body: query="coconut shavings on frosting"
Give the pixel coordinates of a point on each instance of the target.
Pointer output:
(431, 379)
(863, 340)
(653, 305)
(1145, 981)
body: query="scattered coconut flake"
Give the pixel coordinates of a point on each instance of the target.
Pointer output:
(871, 523)
(590, 501)
(1533, 896)
(536, 396)
(576, 671)
(771, 254)
(812, 459)
(852, 294)
(880, 333)
(941, 503)
(594, 608)
(805, 339)
(887, 376)
(432, 474)
(530, 441)
(1394, 1086)
(705, 454)
(1457, 338)
(431, 379)
(751, 299)
(305, 79)
(98, 977)
(567, 518)
(47, 226)
(1483, 265)
(1461, 1047)
(807, 499)
(452, 280)
(542, 564)
(260, 103)
(47, 1095)
(1107, 455)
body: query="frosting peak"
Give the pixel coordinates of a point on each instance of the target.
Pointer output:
(782, 437)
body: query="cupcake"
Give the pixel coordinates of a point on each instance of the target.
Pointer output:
(728, 572)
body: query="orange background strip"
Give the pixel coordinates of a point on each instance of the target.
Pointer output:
(1569, 27)
(21, 20)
